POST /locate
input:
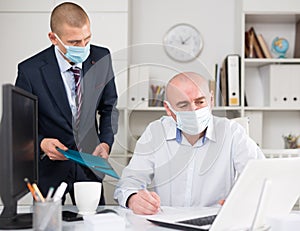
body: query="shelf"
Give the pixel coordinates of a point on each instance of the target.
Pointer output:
(295, 151)
(264, 90)
(226, 108)
(119, 155)
(282, 152)
(261, 62)
(272, 18)
(261, 108)
(147, 109)
(163, 109)
(121, 108)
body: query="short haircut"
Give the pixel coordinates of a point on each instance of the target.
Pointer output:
(67, 13)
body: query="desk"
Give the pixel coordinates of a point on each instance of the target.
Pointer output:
(133, 222)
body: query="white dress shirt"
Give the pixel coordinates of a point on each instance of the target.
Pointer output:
(68, 79)
(186, 175)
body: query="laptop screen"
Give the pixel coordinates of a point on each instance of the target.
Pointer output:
(266, 188)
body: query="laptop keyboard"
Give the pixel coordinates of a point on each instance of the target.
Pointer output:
(200, 221)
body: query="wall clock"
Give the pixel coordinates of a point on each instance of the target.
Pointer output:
(183, 42)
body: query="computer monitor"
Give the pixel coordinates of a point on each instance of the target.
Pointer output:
(18, 153)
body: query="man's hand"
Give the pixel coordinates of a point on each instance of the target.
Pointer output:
(101, 150)
(49, 145)
(144, 203)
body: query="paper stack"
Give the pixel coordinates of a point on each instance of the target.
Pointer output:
(106, 221)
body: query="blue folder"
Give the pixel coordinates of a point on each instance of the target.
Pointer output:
(88, 160)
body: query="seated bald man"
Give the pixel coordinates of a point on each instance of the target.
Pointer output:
(187, 158)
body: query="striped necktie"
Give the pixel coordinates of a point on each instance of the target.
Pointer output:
(78, 91)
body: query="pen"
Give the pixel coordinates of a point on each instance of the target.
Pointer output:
(60, 191)
(146, 190)
(36, 189)
(49, 194)
(31, 189)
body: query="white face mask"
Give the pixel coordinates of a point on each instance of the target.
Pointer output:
(192, 122)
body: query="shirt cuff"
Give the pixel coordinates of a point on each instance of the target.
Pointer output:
(123, 197)
(126, 202)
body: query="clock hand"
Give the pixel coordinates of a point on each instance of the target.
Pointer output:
(181, 39)
(184, 41)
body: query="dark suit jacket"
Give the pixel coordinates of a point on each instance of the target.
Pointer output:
(41, 76)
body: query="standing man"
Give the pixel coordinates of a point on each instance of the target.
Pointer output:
(190, 158)
(74, 82)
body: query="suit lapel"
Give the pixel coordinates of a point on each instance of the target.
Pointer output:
(53, 79)
(87, 64)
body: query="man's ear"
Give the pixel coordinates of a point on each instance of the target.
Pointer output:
(167, 109)
(52, 38)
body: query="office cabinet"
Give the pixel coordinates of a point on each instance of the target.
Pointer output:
(270, 85)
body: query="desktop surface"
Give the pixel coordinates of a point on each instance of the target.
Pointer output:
(133, 222)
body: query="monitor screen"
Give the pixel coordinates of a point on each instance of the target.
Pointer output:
(18, 153)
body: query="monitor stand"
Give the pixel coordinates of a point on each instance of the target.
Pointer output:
(20, 221)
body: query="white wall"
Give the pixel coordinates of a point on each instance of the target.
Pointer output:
(215, 20)
(148, 23)
(25, 25)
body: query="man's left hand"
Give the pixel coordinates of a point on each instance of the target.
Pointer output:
(101, 150)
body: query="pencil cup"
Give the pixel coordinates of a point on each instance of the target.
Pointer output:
(47, 216)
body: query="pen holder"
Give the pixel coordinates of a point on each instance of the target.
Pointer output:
(47, 216)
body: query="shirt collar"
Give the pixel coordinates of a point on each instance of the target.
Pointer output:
(63, 64)
(210, 131)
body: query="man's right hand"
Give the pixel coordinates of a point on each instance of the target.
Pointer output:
(144, 203)
(49, 145)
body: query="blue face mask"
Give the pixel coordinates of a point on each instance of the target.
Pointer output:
(76, 54)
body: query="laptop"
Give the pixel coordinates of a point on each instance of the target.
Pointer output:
(266, 188)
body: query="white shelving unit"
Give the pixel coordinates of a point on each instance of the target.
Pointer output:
(269, 123)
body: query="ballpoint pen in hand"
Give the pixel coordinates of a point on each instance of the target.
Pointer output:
(145, 189)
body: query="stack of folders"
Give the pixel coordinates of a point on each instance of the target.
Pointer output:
(228, 82)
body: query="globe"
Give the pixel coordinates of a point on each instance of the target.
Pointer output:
(280, 47)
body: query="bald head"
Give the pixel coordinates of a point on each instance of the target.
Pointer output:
(186, 82)
(67, 14)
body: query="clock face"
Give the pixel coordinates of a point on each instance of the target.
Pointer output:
(183, 42)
